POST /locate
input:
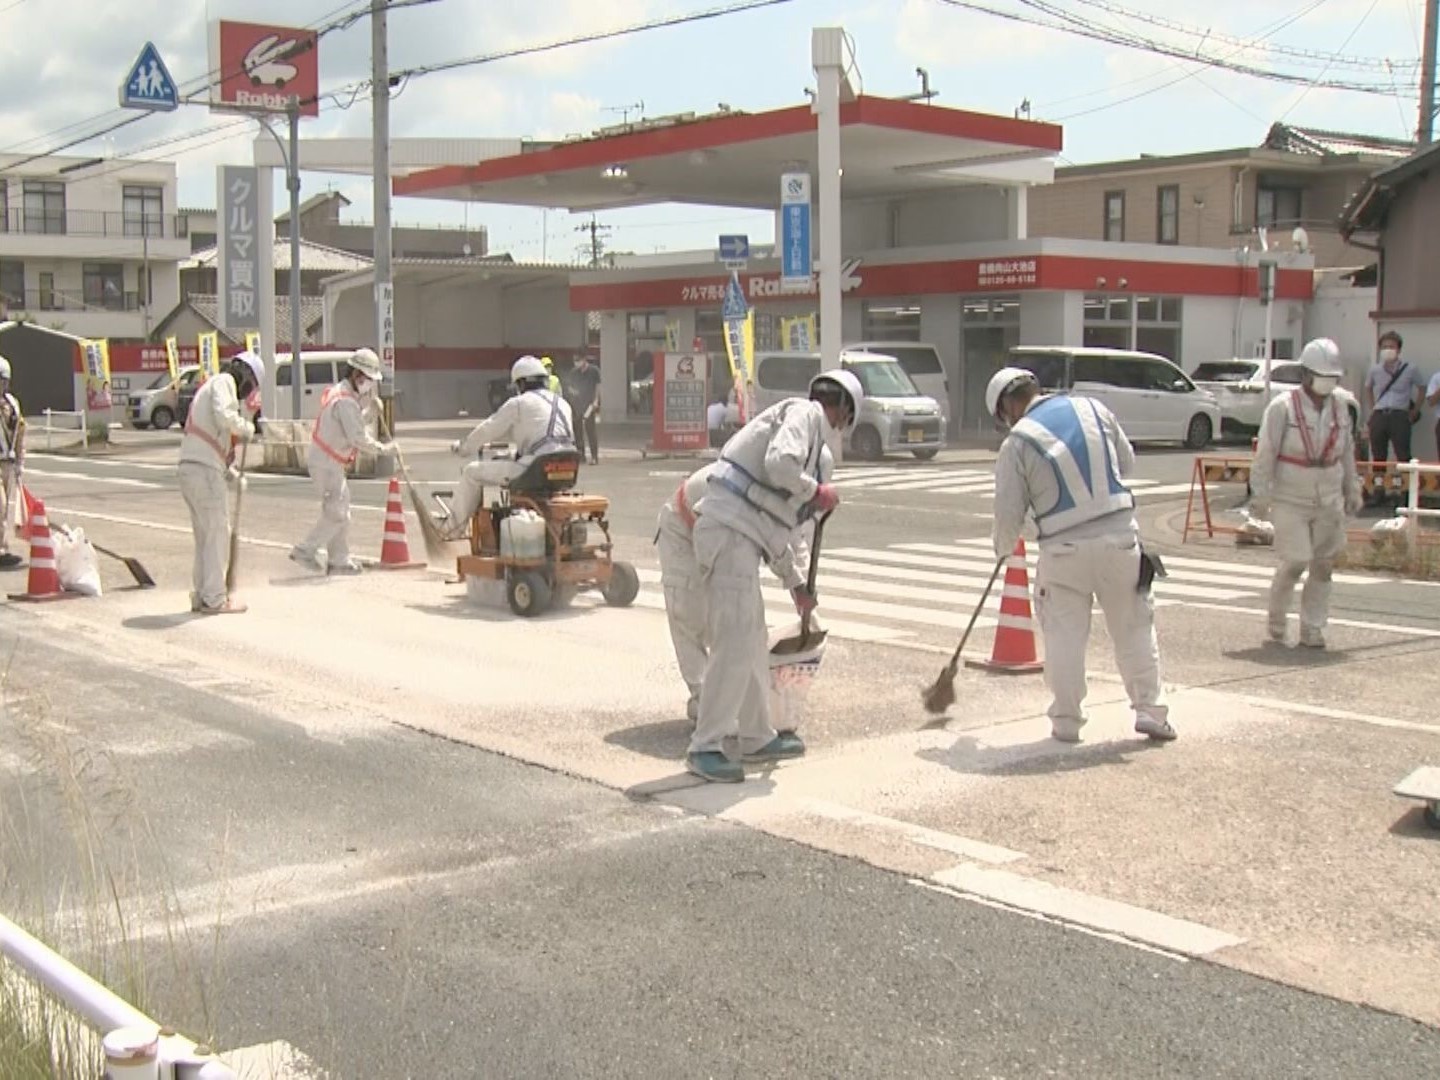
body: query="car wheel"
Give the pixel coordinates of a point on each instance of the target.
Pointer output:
(1198, 432)
(528, 593)
(867, 445)
(623, 587)
(161, 418)
(925, 455)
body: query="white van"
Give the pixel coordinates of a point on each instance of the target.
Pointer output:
(895, 416)
(920, 361)
(1152, 398)
(159, 405)
(322, 370)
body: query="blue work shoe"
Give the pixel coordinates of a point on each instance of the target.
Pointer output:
(787, 745)
(714, 766)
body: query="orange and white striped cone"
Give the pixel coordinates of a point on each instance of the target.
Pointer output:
(395, 551)
(44, 583)
(1014, 649)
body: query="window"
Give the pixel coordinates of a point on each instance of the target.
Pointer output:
(644, 338)
(319, 373)
(890, 320)
(1108, 371)
(880, 378)
(1277, 207)
(44, 206)
(105, 286)
(1144, 323)
(47, 291)
(1049, 368)
(789, 374)
(1115, 215)
(12, 284)
(1163, 377)
(990, 329)
(916, 361)
(1167, 214)
(1288, 373)
(4, 205)
(144, 210)
(282, 375)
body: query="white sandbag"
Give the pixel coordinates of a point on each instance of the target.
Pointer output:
(75, 561)
(791, 677)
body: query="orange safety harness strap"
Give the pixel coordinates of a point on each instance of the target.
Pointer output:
(682, 507)
(1311, 460)
(332, 395)
(192, 428)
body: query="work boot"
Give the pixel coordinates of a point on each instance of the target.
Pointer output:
(1066, 731)
(229, 607)
(1277, 632)
(306, 558)
(779, 748)
(1311, 639)
(9, 561)
(1156, 727)
(346, 568)
(714, 766)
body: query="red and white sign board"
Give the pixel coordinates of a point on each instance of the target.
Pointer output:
(682, 382)
(264, 68)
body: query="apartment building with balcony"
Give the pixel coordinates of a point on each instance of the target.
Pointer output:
(1297, 178)
(90, 246)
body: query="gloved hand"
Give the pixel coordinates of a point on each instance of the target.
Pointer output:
(455, 447)
(232, 474)
(826, 498)
(1354, 503)
(804, 600)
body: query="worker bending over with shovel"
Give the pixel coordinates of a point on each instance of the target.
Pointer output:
(535, 421)
(1063, 461)
(684, 584)
(336, 439)
(768, 482)
(213, 426)
(12, 464)
(1305, 482)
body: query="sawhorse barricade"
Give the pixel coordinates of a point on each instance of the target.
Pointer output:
(1207, 471)
(1387, 478)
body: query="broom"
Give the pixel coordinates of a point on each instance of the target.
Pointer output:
(941, 694)
(435, 550)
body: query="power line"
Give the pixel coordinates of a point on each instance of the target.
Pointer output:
(1348, 38)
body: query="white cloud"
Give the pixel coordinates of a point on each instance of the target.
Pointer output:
(946, 37)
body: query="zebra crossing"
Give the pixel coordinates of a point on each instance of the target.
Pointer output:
(961, 481)
(905, 591)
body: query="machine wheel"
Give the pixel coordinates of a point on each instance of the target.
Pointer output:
(1198, 432)
(564, 596)
(162, 418)
(624, 585)
(925, 455)
(1432, 815)
(529, 594)
(867, 445)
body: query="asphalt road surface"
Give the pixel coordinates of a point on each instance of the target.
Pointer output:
(408, 835)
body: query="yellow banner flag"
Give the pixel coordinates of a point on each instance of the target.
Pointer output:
(97, 373)
(209, 354)
(740, 348)
(252, 341)
(172, 358)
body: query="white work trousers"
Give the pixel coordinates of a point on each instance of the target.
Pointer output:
(9, 492)
(1070, 576)
(332, 531)
(1306, 537)
(684, 587)
(734, 693)
(204, 491)
(474, 478)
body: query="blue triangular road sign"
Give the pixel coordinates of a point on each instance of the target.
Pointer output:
(149, 85)
(733, 306)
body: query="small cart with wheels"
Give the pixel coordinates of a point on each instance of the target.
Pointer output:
(1423, 784)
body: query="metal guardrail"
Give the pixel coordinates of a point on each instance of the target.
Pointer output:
(136, 1047)
(49, 429)
(1412, 511)
(116, 224)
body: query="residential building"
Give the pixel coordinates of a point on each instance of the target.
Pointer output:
(89, 246)
(320, 222)
(1296, 178)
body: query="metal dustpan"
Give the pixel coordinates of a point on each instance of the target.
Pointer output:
(808, 638)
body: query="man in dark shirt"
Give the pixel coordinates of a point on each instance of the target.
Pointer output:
(585, 403)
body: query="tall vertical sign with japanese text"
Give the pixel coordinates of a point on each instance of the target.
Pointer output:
(385, 309)
(795, 259)
(240, 237)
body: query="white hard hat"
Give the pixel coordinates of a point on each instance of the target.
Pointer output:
(4, 368)
(849, 383)
(1004, 381)
(1322, 357)
(367, 363)
(528, 367)
(255, 364)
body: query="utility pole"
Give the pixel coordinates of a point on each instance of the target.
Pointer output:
(1426, 128)
(380, 145)
(292, 183)
(597, 241)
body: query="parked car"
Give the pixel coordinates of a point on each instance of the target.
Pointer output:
(895, 416)
(920, 361)
(1239, 389)
(1153, 399)
(159, 405)
(323, 369)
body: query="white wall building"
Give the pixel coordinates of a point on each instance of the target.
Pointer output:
(90, 246)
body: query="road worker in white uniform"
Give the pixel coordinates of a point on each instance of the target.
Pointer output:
(213, 426)
(684, 584)
(1304, 481)
(771, 479)
(12, 463)
(1063, 461)
(535, 421)
(338, 435)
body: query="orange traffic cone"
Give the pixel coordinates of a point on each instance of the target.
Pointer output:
(28, 502)
(44, 583)
(395, 551)
(1014, 650)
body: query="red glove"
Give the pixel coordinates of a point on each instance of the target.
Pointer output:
(826, 498)
(804, 601)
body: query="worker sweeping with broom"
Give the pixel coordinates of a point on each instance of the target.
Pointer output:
(1063, 461)
(769, 481)
(207, 458)
(339, 434)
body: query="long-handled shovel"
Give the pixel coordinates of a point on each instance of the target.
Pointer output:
(941, 694)
(235, 524)
(806, 639)
(137, 571)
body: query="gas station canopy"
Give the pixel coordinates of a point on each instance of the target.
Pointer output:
(888, 148)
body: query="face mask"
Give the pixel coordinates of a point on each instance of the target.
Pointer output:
(363, 385)
(1389, 356)
(1324, 385)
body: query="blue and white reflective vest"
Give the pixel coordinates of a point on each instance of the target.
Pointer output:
(1069, 435)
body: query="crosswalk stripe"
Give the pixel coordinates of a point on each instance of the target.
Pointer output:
(778, 613)
(964, 477)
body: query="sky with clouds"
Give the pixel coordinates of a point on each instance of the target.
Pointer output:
(61, 62)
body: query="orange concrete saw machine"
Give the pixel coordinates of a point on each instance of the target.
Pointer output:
(546, 541)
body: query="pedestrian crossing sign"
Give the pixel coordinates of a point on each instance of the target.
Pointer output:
(149, 85)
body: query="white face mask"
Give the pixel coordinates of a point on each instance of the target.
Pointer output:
(1323, 385)
(1389, 356)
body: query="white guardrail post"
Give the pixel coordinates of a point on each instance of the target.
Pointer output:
(136, 1047)
(1412, 511)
